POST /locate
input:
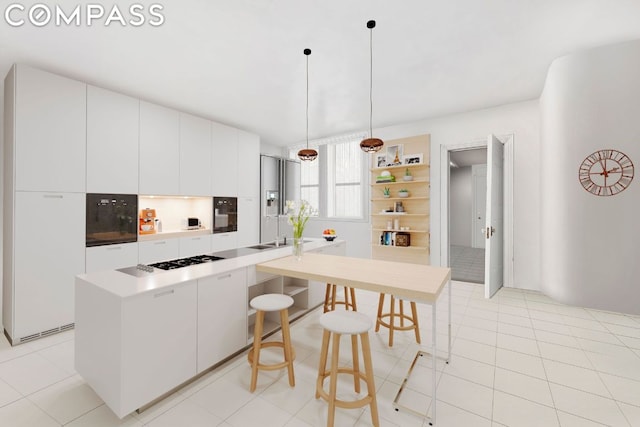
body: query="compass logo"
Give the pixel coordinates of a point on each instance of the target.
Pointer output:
(40, 15)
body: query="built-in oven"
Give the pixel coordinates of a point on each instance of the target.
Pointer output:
(225, 214)
(111, 219)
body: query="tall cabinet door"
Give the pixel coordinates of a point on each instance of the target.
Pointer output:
(112, 142)
(195, 156)
(159, 150)
(249, 164)
(49, 251)
(50, 130)
(248, 221)
(224, 140)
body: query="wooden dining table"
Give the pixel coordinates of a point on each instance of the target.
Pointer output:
(412, 282)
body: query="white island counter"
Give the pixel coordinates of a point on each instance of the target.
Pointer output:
(138, 338)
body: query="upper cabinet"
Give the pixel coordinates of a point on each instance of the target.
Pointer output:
(195, 156)
(112, 142)
(248, 164)
(50, 131)
(224, 140)
(159, 150)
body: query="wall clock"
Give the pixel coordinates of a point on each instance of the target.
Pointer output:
(606, 172)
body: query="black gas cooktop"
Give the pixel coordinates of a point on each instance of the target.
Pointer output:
(185, 262)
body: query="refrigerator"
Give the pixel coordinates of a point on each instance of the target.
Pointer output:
(279, 182)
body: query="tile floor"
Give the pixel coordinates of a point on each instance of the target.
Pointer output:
(467, 264)
(518, 359)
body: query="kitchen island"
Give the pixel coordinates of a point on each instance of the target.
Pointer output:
(139, 336)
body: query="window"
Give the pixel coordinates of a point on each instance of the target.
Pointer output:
(334, 182)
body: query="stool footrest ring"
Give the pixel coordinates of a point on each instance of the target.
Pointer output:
(274, 366)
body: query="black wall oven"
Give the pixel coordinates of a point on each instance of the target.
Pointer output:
(225, 214)
(111, 219)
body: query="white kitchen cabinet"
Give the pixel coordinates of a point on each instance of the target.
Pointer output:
(158, 335)
(112, 142)
(159, 150)
(195, 156)
(158, 250)
(248, 221)
(248, 174)
(111, 257)
(50, 131)
(317, 289)
(224, 140)
(48, 237)
(224, 241)
(222, 316)
(195, 245)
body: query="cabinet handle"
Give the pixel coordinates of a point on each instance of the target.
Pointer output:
(195, 238)
(53, 196)
(114, 248)
(161, 294)
(226, 276)
(162, 242)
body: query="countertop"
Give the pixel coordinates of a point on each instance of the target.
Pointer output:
(124, 285)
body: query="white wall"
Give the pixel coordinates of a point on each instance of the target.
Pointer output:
(272, 150)
(521, 119)
(461, 205)
(589, 249)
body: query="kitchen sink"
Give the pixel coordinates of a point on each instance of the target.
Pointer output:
(262, 247)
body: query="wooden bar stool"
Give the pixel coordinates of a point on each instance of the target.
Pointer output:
(262, 304)
(335, 324)
(330, 300)
(392, 315)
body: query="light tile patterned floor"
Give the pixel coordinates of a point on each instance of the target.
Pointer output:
(467, 264)
(519, 359)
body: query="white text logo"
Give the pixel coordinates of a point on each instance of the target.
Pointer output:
(40, 15)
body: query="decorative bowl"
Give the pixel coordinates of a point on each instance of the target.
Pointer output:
(329, 237)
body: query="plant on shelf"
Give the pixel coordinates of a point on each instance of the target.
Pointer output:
(403, 192)
(407, 175)
(386, 192)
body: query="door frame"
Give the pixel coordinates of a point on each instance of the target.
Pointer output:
(507, 140)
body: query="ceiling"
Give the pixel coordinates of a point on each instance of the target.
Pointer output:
(464, 158)
(240, 62)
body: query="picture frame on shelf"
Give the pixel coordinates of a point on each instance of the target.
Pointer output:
(412, 159)
(381, 160)
(394, 155)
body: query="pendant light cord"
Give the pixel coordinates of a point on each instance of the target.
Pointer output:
(307, 113)
(371, 83)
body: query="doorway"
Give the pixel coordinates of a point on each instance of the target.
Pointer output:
(502, 270)
(467, 206)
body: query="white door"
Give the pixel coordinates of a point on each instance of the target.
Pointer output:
(494, 232)
(479, 173)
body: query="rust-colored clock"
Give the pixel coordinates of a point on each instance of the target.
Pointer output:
(606, 172)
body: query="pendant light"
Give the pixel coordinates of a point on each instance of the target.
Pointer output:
(307, 154)
(371, 144)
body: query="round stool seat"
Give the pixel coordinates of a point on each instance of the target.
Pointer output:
(271, 302)
(346, 322)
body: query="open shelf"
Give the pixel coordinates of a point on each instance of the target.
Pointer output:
(386, 222)
(267, 327)
(399, 213)
(397, 167)
(382, 199)
(408, 248)
(401, 231)
(415, 181)
(292, 290)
